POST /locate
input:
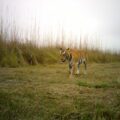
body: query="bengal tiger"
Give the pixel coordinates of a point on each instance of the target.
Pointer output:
(74, 58)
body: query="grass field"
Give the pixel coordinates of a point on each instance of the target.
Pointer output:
(45, 92)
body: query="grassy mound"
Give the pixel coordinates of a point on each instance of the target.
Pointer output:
(14, 53)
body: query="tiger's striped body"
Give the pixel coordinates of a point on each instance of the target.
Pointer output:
(75, 59)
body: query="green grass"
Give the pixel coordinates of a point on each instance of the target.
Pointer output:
(14, 53)
(45, 92)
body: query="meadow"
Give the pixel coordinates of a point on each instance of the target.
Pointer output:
(35, 85)
(45, 92)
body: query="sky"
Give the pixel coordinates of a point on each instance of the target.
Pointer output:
(96, 19)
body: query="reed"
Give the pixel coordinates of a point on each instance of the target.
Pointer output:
(16, 50)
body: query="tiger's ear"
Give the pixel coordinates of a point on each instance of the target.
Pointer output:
(68, 49)
(61, 50)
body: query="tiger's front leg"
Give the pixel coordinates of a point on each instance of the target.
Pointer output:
(71, 69)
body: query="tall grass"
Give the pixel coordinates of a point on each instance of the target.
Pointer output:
(14, 53)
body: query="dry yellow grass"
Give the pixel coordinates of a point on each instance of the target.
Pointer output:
(46, 92)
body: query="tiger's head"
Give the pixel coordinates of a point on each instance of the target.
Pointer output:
(65, 54)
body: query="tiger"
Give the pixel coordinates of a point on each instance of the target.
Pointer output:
(74, 58)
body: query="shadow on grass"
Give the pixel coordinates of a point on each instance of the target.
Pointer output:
(98, 85)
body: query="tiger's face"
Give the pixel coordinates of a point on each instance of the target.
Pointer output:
(64, 54)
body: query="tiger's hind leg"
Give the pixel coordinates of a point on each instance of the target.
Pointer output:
(78, 66)
(85, 65)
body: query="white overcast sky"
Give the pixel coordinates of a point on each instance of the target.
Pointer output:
(101, 16)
